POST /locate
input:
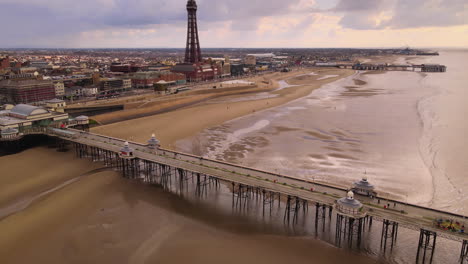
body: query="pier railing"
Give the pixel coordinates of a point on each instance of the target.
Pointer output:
(244, 169)
(292, 186)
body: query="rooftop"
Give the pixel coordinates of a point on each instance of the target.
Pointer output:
(27, 110)
(364, 184)
(55, 101)
(350, 202)
(22, 113)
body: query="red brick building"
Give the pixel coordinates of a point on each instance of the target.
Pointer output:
(147, 79)
(26, 91)
(198, 71)
(126, 68)
(4, 63)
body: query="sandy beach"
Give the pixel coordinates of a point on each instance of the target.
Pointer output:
(61, 209)
(93, 217)
(104, 218)
(172, 126)
(97, 216)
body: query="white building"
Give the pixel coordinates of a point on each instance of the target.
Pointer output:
(24, 116)
(56, 105)
(81, 91)
(127, 84)
(90, 91)
(59, 89)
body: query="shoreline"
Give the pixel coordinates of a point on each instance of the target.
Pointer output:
(193, 119)
(101, 212)
(94, 219)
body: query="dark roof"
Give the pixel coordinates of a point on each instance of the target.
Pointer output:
(364, 184)
(350, 203)
(184, 68)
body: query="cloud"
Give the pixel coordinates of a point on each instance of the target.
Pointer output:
(399, 14)
(424, 13)
(58, 23)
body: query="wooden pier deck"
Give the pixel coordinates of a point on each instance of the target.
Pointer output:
(155, 165)
(408, 215)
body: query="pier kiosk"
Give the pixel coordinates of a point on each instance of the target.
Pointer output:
(363, 187)
(153, 143)
(82, 122)
(350, 216)
(128, 163)
(126, 152)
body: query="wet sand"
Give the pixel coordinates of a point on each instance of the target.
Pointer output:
(103, 218)
(183, 123)
(19, 180)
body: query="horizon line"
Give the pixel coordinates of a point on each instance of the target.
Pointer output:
(389, 47)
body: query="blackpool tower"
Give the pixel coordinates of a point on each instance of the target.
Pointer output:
(192, 50)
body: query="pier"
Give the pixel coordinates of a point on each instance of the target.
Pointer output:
(394, 67)
(152, 164)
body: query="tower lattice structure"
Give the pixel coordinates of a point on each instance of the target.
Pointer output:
(192, 50)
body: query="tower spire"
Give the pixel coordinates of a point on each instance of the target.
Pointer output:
(192, 49)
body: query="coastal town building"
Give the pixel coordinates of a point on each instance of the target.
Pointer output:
(197, 71)
(13, 76)
(59, 89)
(23, 116)
(224, 64)
(26, 91)
(24, 70)
(159, 68)
(4, 63)
(79, 91)
(250, 60)
(238, 69)
(40, 65)
(126, 84)
(56, 105)
(126, 68)
(148, 79)
(115, 84)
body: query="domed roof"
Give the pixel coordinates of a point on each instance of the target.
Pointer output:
(349, 201)
(364, 184)
(27, 110)
(126, 148)
(153, 141)
(82, 118)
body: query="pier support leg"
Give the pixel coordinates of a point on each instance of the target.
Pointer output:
(389, 230)
(338, 231)
(427, 241)
(464, 252)
(348, 229)
(287, 210)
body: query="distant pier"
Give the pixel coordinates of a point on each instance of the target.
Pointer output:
(390, 67)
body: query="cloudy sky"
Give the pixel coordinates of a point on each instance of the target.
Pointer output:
(234, 23)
